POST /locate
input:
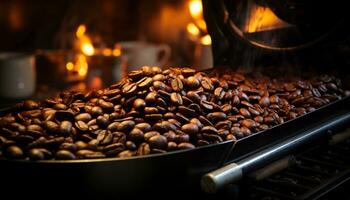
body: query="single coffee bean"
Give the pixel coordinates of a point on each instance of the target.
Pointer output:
(158, 142)
(113, 149)
(85, 117)
(145, 82)
(81, 126)
(65, 155)
(36, 154)
(102, 121)
(136, 135)
(249, 123)
(190, 128)
(14, 152)
(192, 82)
(60, 106)
(96, 111)
(30, 105)
(245, 112)
(209, 130)
(176, 84)
(139, 104)
(216, 116)
(65, 128)
(185, 145)
(176, 99)
(182, 137)
(144, 149)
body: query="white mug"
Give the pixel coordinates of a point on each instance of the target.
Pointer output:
(136, 54)
(17, 75)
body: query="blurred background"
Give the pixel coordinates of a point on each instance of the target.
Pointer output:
(50, 46)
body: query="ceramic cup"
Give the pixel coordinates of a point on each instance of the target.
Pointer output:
(17, 75)
(136, 54)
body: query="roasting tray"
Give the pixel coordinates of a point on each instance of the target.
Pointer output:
(179, 170)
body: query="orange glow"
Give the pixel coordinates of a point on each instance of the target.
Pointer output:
(206, 40)
(196, 8)
(87, 48)
(262, 18)
(117, 52)
(192, 29)
(81, 65)
(196, 11)
(107, 52)
(85, 43)
(80, 31)
(69, 66)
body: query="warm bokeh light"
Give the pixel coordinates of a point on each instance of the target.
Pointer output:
(206, 40)
(80, 31)
(107, 52)
(69, 66)
(192, 29)
(196, 8)
(87, 48)
(117, 52)
(81, 65)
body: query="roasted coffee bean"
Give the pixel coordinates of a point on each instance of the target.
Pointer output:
(187, 112)
(185, 145)
(176, 84)
(207, 84)
(36, 154)
(193, 96)
(192, 82)
(144, 149)
(30, 105)
(145, 82)
(176, 99)
(65, 155)
(153, 117)
(219, 93)
(14, 152)
(81, 126)
(190, 128)
(245, 131)
(60, 106)
(181, 118)
(182, 137)
(96, 111)
(145, 127)
(216, 116)
(244, 112)
(249, 123)
(205, 121)
(136, 135)
(113, 149)
(89, 154)
(139, 104)
(129, 89)
(150, 134)
(85, 117)
(68, 146)
(102, 121)
(209, 130)
(158, 142)
(64, 116)
(65, 128)
(170, 136)
(171, 146)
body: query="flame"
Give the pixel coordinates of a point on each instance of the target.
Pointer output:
(206, 40)
(192, 29)
(263, 18)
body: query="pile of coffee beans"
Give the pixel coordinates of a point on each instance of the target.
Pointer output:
(156, 111)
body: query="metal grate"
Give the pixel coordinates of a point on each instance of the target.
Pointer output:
(315, 171)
